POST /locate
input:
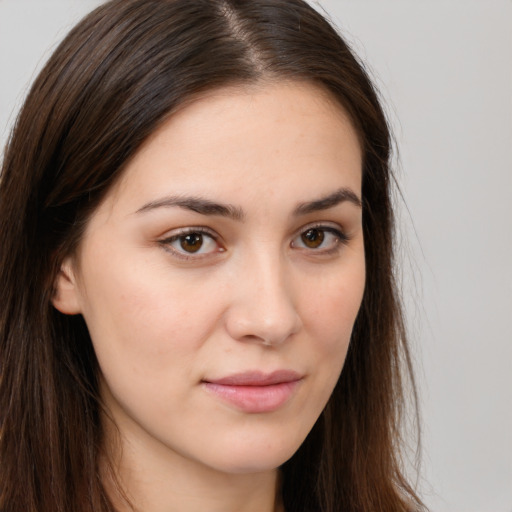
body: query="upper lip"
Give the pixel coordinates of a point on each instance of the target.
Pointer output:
(257, 378)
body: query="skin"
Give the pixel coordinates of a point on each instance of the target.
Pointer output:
(256, 295)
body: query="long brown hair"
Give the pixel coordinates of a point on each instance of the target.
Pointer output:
(110, 84)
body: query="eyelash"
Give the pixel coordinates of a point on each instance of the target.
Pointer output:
(341, 239)
(167, 242)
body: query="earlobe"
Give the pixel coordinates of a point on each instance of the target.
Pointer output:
(65, 295)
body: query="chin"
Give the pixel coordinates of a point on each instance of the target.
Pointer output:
(256, 455)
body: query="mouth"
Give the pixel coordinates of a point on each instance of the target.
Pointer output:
(255, 392)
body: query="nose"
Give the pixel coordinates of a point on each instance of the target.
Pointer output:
(263, 308)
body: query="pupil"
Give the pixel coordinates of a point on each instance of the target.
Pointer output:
(313, 238)
(191, 242)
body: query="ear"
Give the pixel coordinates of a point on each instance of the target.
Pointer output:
(66, 293)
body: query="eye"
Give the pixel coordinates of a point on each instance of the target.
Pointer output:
(192, 242)
(313, 238)
(324, 239)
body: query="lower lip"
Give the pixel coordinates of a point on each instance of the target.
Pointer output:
(254, 399)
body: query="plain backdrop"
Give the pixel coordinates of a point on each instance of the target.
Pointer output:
(444, 68)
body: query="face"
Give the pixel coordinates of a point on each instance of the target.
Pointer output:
(221, 277)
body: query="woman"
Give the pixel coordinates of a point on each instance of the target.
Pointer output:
(198, 304)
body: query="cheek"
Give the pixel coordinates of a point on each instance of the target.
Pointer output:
(148, 328)
(330, 318)
(331, 313)
(145, 318)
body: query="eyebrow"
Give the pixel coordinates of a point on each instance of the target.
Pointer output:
(196, 204)
(206, 207)
(341, 195)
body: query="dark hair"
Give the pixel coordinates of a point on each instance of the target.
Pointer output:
(120, 73)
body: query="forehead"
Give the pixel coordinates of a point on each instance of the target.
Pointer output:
(264, 137)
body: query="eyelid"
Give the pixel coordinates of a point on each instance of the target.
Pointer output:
(333, 227)
(329, 227)
(175, 234)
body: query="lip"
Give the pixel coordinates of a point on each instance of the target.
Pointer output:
(254, 391)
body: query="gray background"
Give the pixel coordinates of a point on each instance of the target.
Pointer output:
(445, 71)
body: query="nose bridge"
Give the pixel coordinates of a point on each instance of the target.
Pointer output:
(264, 307)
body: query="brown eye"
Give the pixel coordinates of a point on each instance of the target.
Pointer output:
(191, 242)
(313, 238)
(320, 240)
